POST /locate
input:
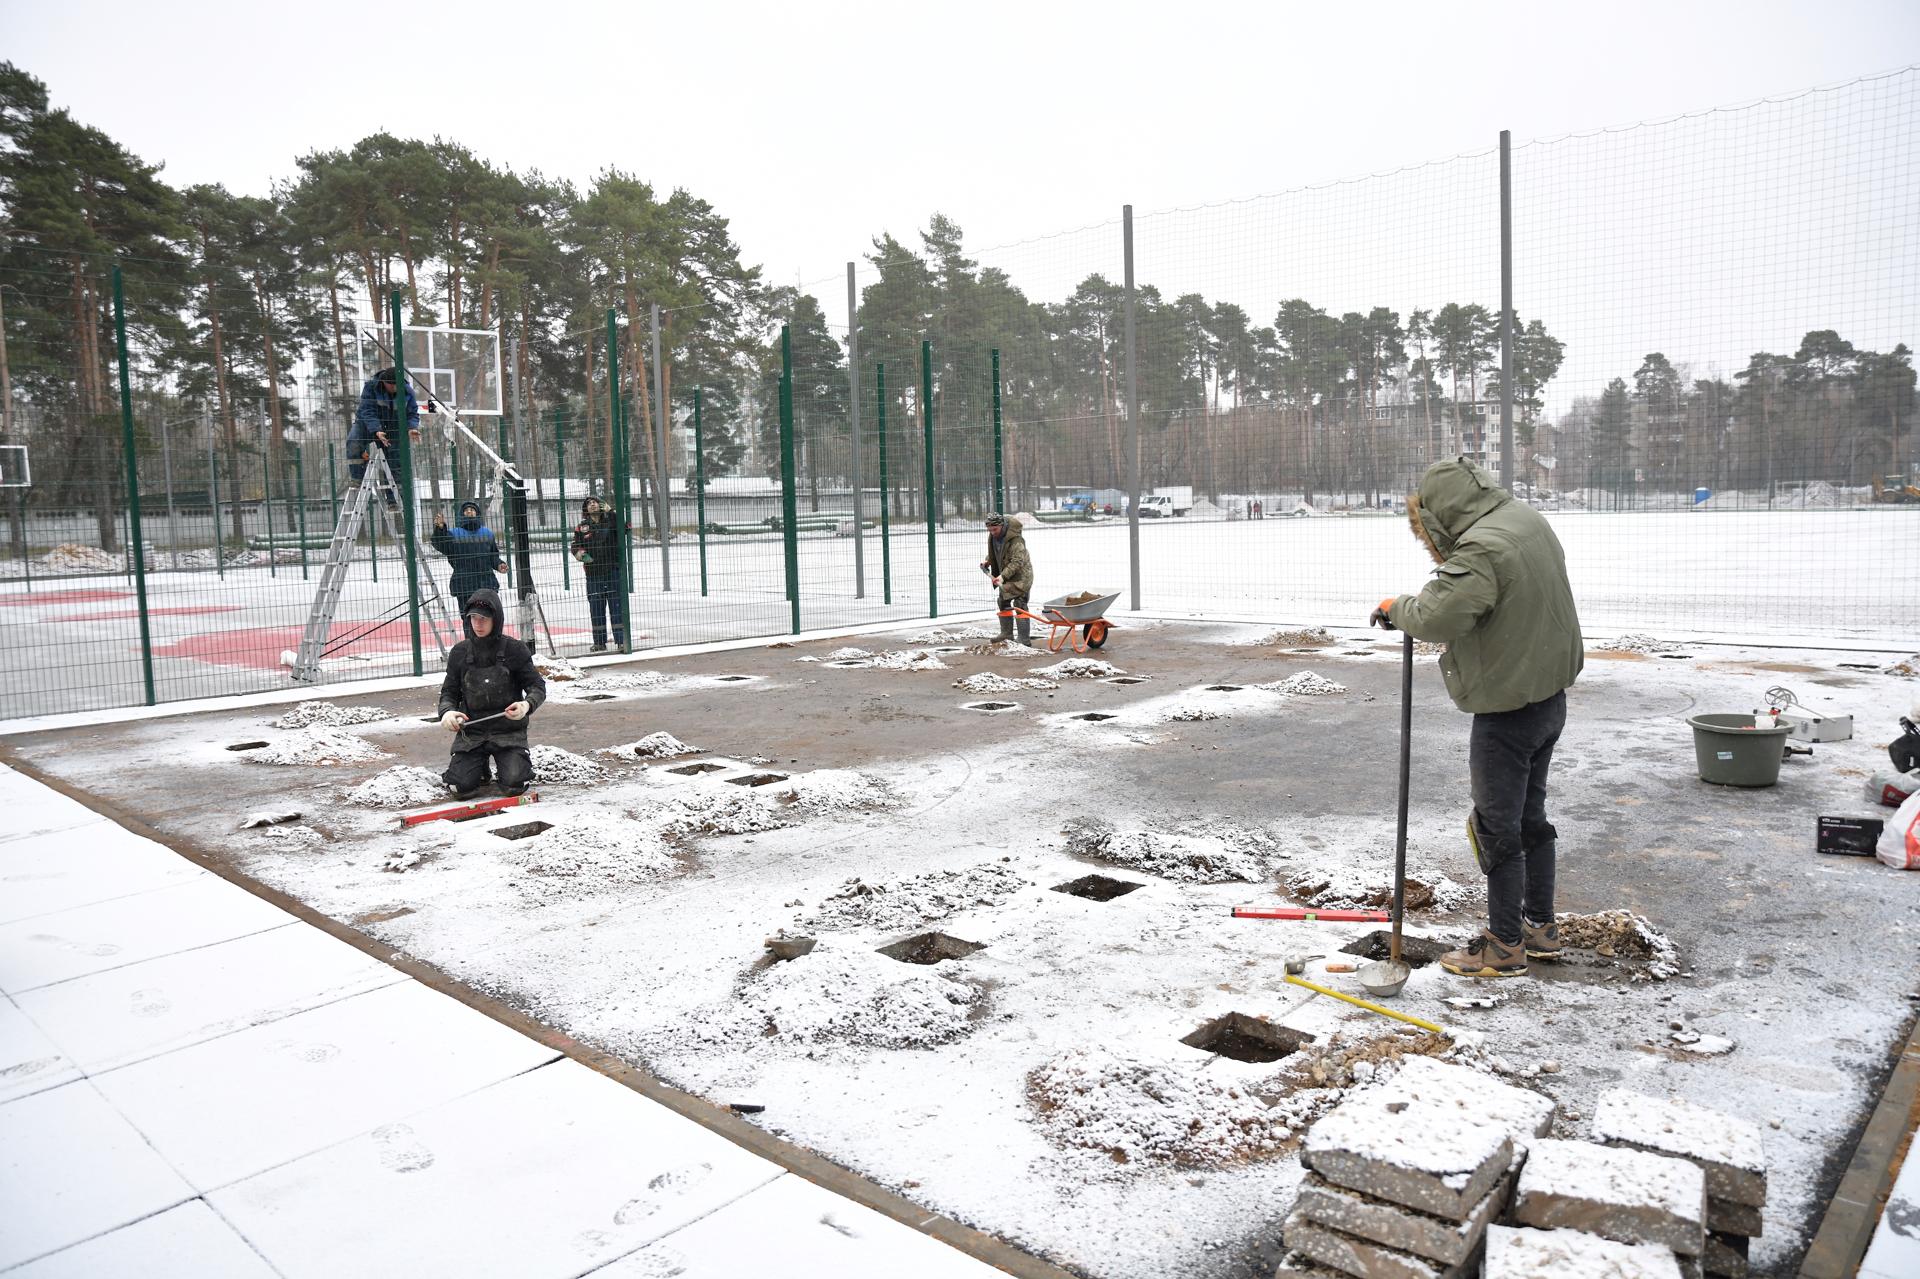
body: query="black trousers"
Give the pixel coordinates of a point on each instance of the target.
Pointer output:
(1508, 757)
(606, 601)
(467, 770)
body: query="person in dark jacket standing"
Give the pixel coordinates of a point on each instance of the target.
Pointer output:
(472, 552)
(1501, 602)
(597, 545)
(1011, 569)
(489, 674)
(377, 421)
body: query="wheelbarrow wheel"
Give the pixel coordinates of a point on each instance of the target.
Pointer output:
(1096, 634)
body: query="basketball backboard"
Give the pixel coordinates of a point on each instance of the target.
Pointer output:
(460, 367)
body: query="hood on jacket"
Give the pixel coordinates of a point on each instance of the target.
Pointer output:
(488, 602)
(1454, 496)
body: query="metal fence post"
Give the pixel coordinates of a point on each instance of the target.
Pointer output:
(1133, 422)
(623, 500)
(700, 488)
(560, 459)
(213, 499)
(663, 486)
(789, 502)
(173, 516)
(137, 548)
(1506, 310)
(300, 500)
(933, 499)
(999, 473)
(853, 432)
(333, 485)
(408, 517)
(886, 546)
(266, 500)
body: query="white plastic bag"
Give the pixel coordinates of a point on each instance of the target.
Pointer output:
(1899, 845)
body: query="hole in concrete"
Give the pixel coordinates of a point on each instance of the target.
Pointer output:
(1245, 1038)
(1378, 944)
(1858, 666)
(992, 708)
(247, 746)
(1688, 657)
(758, 779)
(1095, 717)
(525, 830)
(947, 648)
(1097, 888)
(849, 664)
(732, 679)
(930, 948)
(1308, 651)
(694, 770)
(1125, 679)
(1223, 688)
(595, 697)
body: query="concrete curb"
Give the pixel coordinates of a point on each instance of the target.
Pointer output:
(796, 1159)
(1854, 1212)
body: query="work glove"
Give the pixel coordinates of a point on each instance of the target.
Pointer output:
(1382, 616)
(452, 721)
(519, 710)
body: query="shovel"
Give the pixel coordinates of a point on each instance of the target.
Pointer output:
(1383, 978)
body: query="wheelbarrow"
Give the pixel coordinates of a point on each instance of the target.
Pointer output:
(1084, 626)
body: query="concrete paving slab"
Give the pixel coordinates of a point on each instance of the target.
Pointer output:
(71, 1167)
(546, 1174)
(33, 809)
(188, 1240)
(238, 1105)
(822, 1236)
(1895, 1250)
(125, 1015)
(127, 930)
(30, 1062)
(61, 870)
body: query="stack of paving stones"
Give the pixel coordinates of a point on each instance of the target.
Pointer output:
(1518, 1252)
(1626, 1195)
(1405, 1178)
(1727, 1151)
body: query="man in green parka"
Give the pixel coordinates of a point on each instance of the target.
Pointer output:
(1501, 603)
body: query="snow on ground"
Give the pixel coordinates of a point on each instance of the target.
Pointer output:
(1079, 668)
(834, 790)
(652, 746)
(308, 713)
(552, 764)
(988, 682)
(402, 786)
(638, 927)
(317, 746)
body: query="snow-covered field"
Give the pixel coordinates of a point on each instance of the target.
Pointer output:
(1816, 577)
(1037, 1087)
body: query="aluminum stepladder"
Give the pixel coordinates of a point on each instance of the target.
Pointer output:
(315, 643)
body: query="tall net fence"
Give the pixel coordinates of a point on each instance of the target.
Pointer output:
(1711, 399)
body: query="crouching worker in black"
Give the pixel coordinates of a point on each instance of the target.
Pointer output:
(489, 674)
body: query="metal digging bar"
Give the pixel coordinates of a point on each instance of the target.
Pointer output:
(531, 612)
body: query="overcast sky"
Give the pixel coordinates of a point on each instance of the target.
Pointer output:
(815, 126)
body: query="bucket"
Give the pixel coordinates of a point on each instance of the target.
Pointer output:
(1732, 752)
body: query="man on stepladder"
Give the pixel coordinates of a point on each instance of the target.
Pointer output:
(1011, 569)
(1501, 602)
(490, 678)
(377, 421)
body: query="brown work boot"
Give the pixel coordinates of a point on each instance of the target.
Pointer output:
(1486, 956)
(1540, 941)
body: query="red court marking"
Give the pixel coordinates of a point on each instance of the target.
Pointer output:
(259, 648)
(124, 613)
(33, 599)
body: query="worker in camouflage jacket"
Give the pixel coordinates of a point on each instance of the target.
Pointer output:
(1501, 602)
(1011, 569)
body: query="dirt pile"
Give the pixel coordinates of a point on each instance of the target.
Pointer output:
(402, 786)
(315, 747)
(552, 765)
(1204, 851)
(856, 996)
(922, 899)
(1623, 935)
(307, 714)
(1137, 1110)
